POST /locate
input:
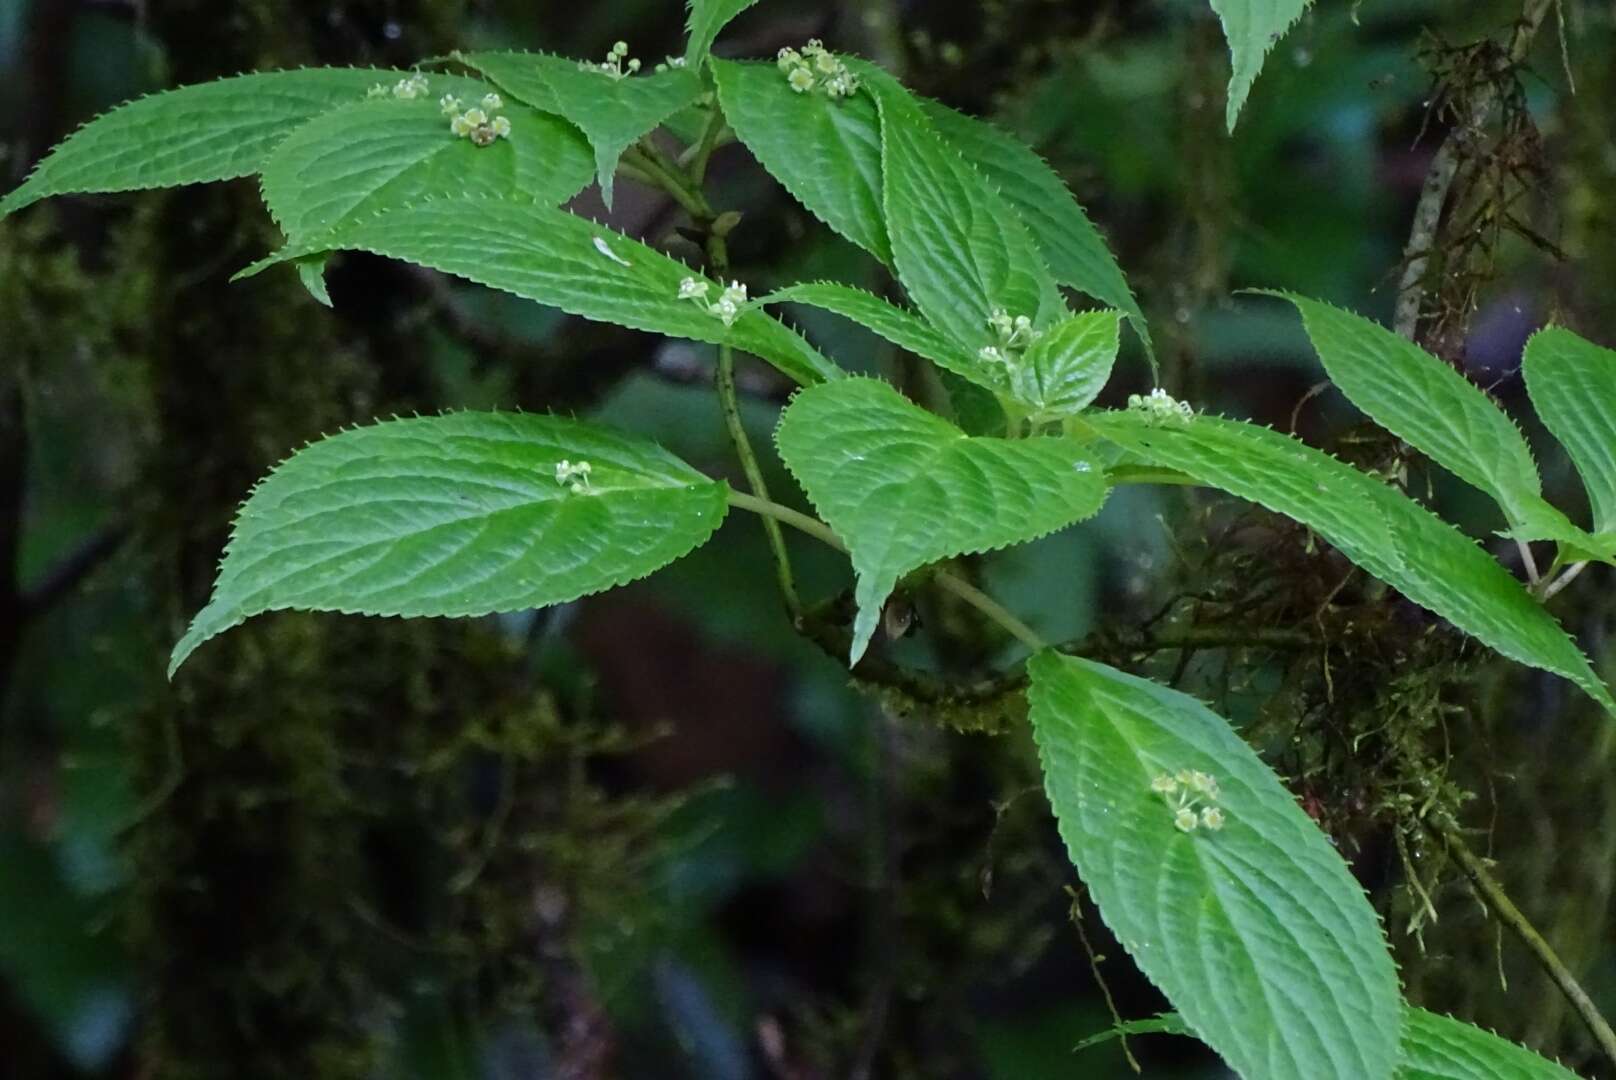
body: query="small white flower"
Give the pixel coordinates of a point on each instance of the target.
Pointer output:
(493, 102)
(573, 475)
(801, 80)
(992, 354)
(1212, 818)
(691, 289)
(788, 58)
(449, 105)
(461, 126)
(1164, 784)
(1161, 408)
(377, 91)
(1186, 820)
(735, 293)
(411, 88)
(501, 127)
(1001, 323)
(827, 64)
(1205, 784)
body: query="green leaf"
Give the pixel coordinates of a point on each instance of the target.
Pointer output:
(1076, 252)
(1572, 383)
(455, 515)
(1256, 930)
(905, 488)
(568, 262)
(1253, 27)
(1394, 538)
(613, 112)
(378, 154)
(1438, 1048)
(903, 328)
(707, 18)
(211, 131)
(1165, 1024)
(1425, 402)
(960, 251)
(1433, 1048)
(826, 153)
(1065, 370)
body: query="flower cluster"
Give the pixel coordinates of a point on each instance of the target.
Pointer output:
(1161, 408)
(408, 89)
(573, 475)
(1191, 795)
(475, 123)
(1014, 335)
(727, 308)
(616, 64)
(815, 67)
(672, 63)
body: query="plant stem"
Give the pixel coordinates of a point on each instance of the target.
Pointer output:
(1552, 589)
(795, 518)
(1506, 911)
(1422, 237)
(946, 579)
(684, 186)
(990, 607)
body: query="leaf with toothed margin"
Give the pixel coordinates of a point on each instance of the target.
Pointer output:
(612, 112)
(826, 153)
(1394, 538)
(1433, 1047)
(707, 18)
(1256, 931)
(1076, 252)
(1063, 371)
(1252, 28)
(904, 488)
(1439, 1048)
(210, 131)
(565, 261)
(378, 154)
(1572, 383)
(1425, 402)
(903, 328)
(960, 251)
(460, 514)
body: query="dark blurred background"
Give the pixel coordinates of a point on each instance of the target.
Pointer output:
(655, 834)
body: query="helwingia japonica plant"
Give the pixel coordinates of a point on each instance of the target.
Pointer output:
(1225, 893)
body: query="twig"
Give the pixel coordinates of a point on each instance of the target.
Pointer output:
(71, 570)
(1506, 911)
(1572, 572)
(990, 607)
(1422, 237)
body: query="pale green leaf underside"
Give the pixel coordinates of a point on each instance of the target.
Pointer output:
(211, 131)
(1257, 932)
(826, 153)
(379, 154)
(707, 18)
(1439, 1048)
(1572, 383)
(1377, 527)
(613, 113)
(902, 328)
(1425, 402)
(960, 251)
(1433, 1047)
(455, 515)
(904, 488)
(571, 263)
(1076, 252)
(1253, 28)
